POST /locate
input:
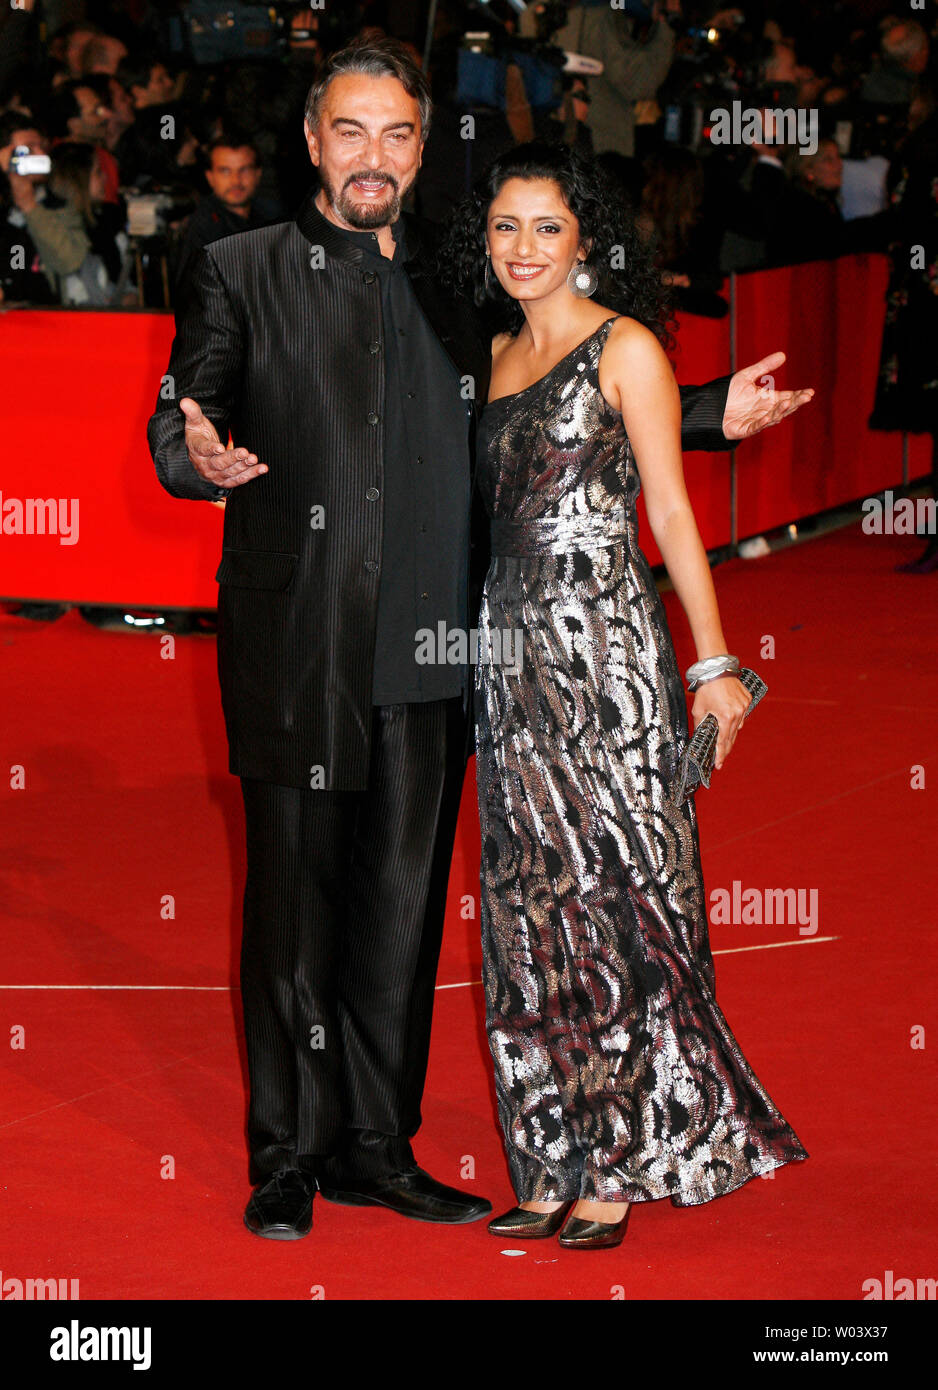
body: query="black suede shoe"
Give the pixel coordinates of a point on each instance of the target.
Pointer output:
(410, 1193)
(281, 1208)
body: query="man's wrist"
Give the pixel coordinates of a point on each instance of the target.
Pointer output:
(723, 383)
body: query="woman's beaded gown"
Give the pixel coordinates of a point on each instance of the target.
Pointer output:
(617, 1075)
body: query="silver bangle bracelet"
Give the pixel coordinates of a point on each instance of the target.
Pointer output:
(711, 669)
(704, 679)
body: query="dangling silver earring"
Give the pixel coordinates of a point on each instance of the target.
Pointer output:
(582, 280)
(489, 277)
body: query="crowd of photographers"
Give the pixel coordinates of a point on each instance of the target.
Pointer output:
(127, 143)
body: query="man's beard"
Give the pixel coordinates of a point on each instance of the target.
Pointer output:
(368, 215)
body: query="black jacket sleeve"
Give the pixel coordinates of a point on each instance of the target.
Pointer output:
(702, 410)
(205, 363)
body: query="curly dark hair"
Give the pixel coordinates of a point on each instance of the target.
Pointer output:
(629, 280)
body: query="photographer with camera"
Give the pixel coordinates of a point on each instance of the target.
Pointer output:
(42, 238)
(103, 277)
(633, 69)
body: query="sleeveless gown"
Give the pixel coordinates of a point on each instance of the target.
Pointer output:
(617, 1076)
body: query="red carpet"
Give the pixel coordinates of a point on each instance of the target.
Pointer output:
(127, 808)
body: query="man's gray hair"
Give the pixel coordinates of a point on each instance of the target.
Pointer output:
(373, 58)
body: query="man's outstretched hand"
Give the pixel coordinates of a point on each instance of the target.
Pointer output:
(208, 455)
(753, 403)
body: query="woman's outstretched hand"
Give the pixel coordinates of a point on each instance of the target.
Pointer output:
(727, 699)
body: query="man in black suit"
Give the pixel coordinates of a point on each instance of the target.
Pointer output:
(328, 344)
(233, 173)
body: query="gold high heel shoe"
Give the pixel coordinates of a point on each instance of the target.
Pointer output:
(529, 1225)
(593, 1235)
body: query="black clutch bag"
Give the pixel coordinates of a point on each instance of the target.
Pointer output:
(700, 753)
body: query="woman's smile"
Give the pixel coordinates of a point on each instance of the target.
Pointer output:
(518, 271)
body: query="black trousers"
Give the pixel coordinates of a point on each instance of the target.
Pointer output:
(343, 920)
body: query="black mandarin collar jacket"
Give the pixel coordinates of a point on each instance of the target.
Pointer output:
(280, 342)
(455, 322)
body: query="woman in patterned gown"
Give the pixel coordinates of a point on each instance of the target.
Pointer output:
(618, 1079)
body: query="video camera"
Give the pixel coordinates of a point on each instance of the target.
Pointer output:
(546, 69)
(206, 32)
(710, 67)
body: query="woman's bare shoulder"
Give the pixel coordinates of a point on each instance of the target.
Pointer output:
(633, 362)
(629, 337)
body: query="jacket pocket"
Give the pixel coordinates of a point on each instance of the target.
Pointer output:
(256, 569)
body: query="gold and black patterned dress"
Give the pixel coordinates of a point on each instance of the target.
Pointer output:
(617, 1075)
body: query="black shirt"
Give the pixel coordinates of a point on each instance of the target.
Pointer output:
(426, 495)
(212, 220)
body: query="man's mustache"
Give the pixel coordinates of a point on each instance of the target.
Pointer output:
(367, 176)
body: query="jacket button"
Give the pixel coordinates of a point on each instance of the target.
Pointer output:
(374, 347)
(372, 418)
(372, 494)
(369, 277)
(371, 565)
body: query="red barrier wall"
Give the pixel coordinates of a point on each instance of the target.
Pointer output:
(828, 317)
(79, 387)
